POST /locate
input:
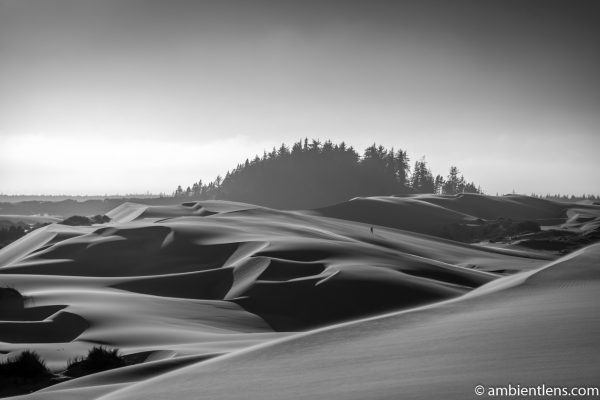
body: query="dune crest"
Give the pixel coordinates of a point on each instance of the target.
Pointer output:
(204, 279)
(497, 337)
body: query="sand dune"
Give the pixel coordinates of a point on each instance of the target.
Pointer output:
(528, 334)
(214, 278)
(319, 270)
(430, 213)
(584, 219)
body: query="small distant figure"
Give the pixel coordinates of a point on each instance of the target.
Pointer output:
(371, 230)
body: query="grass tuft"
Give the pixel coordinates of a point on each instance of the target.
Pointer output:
(27, 365)
(98, 359)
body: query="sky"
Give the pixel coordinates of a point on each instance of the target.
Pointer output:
(135, 96)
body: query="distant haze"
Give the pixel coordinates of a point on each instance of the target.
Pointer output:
(135, 96)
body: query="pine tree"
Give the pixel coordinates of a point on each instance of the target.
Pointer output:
(402, 167)
(422, 180)
(452, 184)
(178, 191)
(314, 173)
(439, 184)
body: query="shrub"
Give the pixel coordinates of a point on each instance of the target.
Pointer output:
(76, 220)
(99, 219)
(98, 359)
(102, 358)
(26, 365)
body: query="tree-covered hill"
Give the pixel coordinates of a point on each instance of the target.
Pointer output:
(314, 174)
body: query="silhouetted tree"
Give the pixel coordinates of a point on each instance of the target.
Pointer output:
(178, 191)
(422, 180)
(438, 184)
(402, 167)
(471, 188)
(313, 173)
(453, 182)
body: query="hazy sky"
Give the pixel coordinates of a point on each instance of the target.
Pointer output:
(135, 96)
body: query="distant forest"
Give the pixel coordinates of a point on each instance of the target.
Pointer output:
(310, 174)
(314, 174)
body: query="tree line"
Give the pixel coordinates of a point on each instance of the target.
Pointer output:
(314, 173)
(565, 197)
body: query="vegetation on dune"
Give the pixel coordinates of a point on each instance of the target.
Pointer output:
(72, 207)
(23, 374)
(27, 365)
(98, 359)
(493, 231)
(569, 198)
(12, 231)
(561, 241)
(313, 174)
(527, 234)
(78, 220)
(27, 372)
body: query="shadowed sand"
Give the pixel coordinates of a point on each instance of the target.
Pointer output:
(430, 213)
(191, 282)
(542, 329)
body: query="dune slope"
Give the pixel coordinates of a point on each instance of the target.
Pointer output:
(296, 271)
(542, 328)
(429, 214)
(203, 279)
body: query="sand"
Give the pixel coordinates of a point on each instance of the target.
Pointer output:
(237, 301)
(542, 330)
(429, 213)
